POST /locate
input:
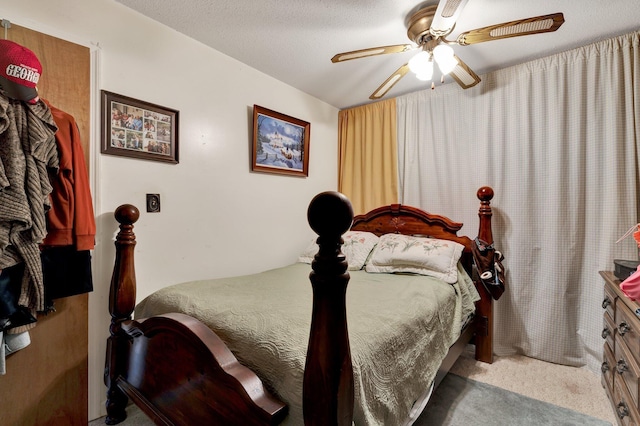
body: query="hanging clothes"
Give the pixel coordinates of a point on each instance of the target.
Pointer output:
(28, 159)
(71, 219)
(71, 227)
(13, 315)
(28, 154)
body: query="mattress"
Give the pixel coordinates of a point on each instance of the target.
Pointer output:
(400, 329)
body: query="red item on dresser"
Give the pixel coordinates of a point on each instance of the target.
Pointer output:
(631, 286)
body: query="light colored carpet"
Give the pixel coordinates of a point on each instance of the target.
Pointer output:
(573, 388)
(578, 389)
(463, 401)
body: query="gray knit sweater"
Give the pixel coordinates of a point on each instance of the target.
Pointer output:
(28, 154)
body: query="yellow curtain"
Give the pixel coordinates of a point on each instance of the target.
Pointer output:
(368, 159)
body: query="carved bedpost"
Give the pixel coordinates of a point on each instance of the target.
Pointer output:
(328, 378)
(485, 195)
(122, 299)
(484, 338)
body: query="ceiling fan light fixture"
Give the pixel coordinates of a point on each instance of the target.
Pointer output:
(428, 27)
(442, 51)
(427, 74)
(420, 63)
(445, 58)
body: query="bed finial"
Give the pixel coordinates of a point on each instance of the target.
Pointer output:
(328, 376)
(330, 213)
(127, 214)
(485, 193)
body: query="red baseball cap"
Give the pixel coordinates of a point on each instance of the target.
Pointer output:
(20, 71)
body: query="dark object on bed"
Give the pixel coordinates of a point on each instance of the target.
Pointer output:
(178, 371)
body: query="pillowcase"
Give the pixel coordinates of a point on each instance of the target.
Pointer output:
(357, 247)
(417, 255)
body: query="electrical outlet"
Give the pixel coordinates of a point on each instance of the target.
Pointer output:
(153, 203)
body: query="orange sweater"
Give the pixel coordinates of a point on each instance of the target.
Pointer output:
(71, 219)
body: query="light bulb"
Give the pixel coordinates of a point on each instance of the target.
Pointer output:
(422, 65)
(442, 51)
(443, 54)
(426, 73)
(419, 63)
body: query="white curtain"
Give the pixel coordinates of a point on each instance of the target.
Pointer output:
(558, 140)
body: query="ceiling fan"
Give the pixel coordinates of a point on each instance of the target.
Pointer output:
(428, 28)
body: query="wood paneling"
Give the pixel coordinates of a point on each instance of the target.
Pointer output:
(46, 383)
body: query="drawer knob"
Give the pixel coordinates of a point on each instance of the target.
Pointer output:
(606, 302)
(605, 367)
(623, 328)
(622, 410)
(606, 332)
(622, 366)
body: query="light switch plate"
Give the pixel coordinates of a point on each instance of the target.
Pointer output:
(153, 203)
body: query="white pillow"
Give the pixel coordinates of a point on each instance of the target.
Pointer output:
(417, 255)
(357, 247)
(307, 255)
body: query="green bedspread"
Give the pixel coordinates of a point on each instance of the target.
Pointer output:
(400, 329)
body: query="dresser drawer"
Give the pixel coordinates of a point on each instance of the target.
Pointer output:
(608, 302)
(627, 370)
(608, 368)
(628, 326)
(626, 413)
(608, 331)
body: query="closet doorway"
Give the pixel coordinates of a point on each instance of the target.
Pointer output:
(46, 382)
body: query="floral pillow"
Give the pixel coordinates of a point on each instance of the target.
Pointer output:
(417, 255)
(357, 247)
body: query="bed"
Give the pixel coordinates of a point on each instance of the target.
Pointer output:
(263, 349)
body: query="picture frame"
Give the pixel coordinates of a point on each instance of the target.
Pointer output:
(280, 143)
(138, 129)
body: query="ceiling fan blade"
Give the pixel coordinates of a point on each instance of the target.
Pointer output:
(446, 16)
(464, 75)
(534, 25)
(389, 82)
(373, 51)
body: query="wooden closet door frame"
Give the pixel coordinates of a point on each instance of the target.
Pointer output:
(46, 383)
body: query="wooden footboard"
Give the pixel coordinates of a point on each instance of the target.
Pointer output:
(179, 372)
(172, 366)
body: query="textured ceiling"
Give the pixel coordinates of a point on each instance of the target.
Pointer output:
(293, 41)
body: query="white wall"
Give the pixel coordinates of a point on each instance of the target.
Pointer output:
(218, 218)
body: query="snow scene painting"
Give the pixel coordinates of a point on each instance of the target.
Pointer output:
(280, 143)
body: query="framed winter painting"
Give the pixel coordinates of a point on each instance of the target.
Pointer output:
(280, 143)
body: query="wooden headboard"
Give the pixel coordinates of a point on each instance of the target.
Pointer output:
(407, 220)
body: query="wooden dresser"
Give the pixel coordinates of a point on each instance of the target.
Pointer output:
(621, 361)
